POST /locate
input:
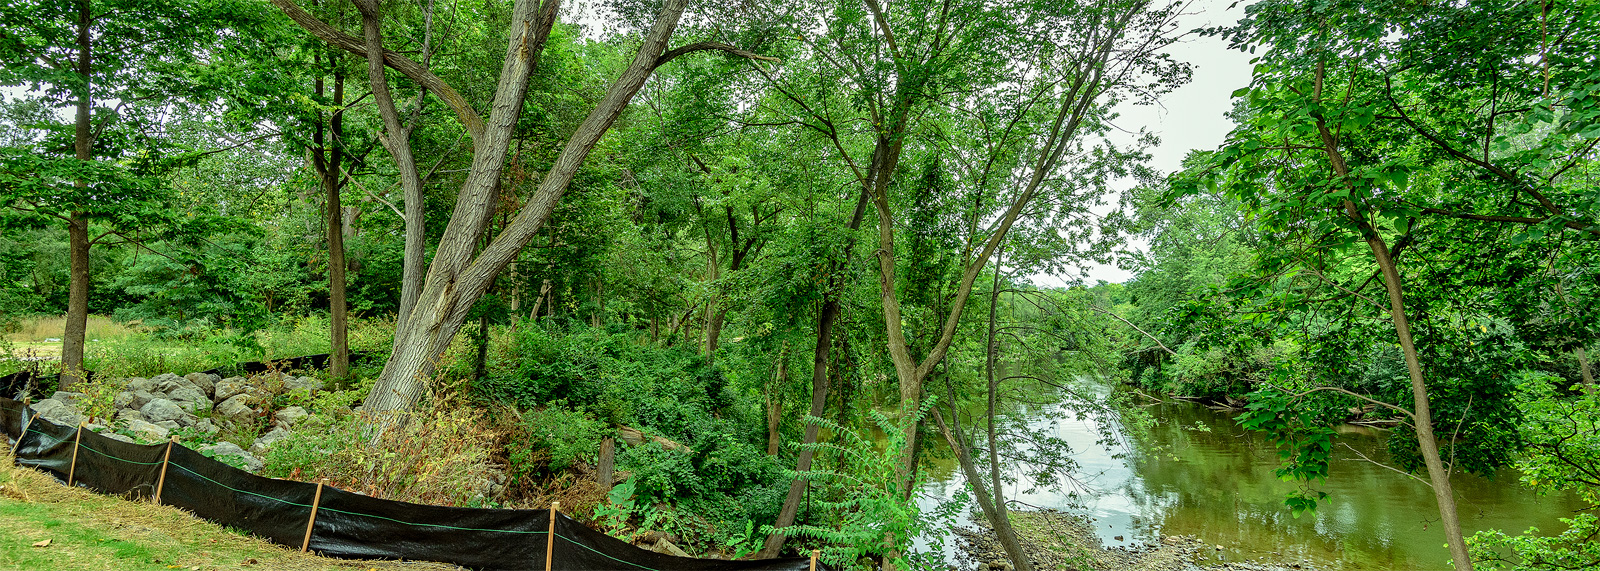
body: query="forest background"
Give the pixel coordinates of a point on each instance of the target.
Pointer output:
(790, 243)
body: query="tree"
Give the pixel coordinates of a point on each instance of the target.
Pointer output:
(116, 64)
(459, 274)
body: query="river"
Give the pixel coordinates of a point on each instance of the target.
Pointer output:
(1197, 473)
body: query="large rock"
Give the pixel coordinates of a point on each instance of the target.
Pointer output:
(189, 397)
(206, 382)
(118, 437)
(67, 398)
(229, 449)
(205, 426)
(141, 398)
(122, 400)
(261, 445)
(161, 409)
(148, 432)
(236, 410)
(129, 414)
(169, 424)
(137, 384)
(229, 387)
(307, 384)
(290, 416)
(58, 412)
(165, 381)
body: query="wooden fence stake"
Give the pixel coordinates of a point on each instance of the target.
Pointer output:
(315, 502)
(550, 544)
(76, 443)
(814, 554)
(165, 458)
(25, 427)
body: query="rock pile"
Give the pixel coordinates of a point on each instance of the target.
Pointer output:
(205, 404)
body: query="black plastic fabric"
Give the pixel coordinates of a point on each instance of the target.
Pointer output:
(347, 525)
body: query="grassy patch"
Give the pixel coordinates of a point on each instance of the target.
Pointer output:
(89, 531)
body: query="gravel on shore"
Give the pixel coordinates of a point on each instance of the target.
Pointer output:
(1058, 540)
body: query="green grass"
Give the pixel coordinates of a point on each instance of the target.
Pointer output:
(88, 531)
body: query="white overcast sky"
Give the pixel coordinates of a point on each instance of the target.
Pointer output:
(1192, 116)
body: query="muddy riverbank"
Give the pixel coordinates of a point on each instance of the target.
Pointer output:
(1059, 540)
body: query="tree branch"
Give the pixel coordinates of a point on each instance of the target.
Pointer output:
(411, 69)
(673, 53)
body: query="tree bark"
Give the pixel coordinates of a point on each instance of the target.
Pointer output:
(819, 388)
(993, 509)
(77, 323)
(1427, 444)
(397, 141)
(338, 322)
(456, 279)
(1584, 370)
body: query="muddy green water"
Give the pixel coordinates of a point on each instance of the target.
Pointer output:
(1199, 474)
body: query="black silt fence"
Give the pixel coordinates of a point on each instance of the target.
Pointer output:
(345, 525)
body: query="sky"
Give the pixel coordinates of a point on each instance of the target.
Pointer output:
(1190, 117)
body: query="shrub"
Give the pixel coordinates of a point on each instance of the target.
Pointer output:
(439, 454)
(552, 439)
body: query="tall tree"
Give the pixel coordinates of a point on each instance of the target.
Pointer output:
(459, 273)
(115, 64)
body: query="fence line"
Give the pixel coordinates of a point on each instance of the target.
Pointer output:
(472, 537)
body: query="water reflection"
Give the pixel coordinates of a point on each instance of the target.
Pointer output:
(1196, 473)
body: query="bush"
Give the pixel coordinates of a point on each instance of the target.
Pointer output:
(552, 439)
(439, 454)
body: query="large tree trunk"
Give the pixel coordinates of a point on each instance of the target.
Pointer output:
(338, 323)
(456, 279)
(1427, 445)
(397, 141)
(72, 338)
(1584, 370)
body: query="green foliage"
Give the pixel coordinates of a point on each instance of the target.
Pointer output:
(1304, 443)
(614, 514)
(871, 517)
(551, 439)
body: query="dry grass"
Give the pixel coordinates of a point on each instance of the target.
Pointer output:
(88, 531)
(37, 329)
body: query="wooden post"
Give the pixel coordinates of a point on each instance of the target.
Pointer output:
(315, 502)
(608, 461)
(76, 443)
(25, 427)
(161, 481)
(814, 554)
(550, 542)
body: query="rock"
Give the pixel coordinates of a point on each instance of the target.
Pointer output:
(129, 414)
(148, 432)
(58, 412)
(94, 427)
(166, 381)
(307, 384)
(118, 437)
(190, 399)
(141, 398)
(169, 424)
(229, 387)
(224, 449)
(206, 382)
(122, 400)
(266, 441)
(137, 384)
(161, 409)
(67, 398)
(1118, 538)
(290, 416)
(664, 546)
(236, 410)
(205, 426)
